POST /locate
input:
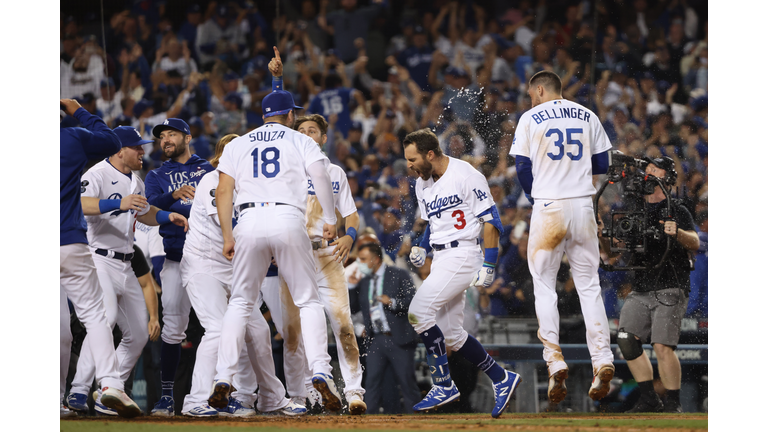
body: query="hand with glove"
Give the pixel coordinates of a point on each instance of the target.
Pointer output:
(484, 276)
(418, 256)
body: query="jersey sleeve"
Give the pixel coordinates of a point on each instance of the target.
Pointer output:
(346, 204)
(90, 184)
(600, 141)
(420, 199)
(144, 194)
(521, 146)
(477, 193)
(227, 162)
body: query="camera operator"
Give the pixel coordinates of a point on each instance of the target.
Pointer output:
(654, 309)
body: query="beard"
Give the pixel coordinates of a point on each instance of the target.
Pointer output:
(425, 170)
(176, 151)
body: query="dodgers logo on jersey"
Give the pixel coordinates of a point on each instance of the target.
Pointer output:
(480, 194)
(440, 204)
(336, 186)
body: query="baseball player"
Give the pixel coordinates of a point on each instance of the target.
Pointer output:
(77, 274)
(207, 277)
(112, 201)
(171, 187)
(456, 201)
(558, 146)
(269, 168)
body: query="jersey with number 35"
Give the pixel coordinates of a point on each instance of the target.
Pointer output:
(451, 204)
(560, 138)
(269, 164)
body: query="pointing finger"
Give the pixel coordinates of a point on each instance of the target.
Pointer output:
(277, 53)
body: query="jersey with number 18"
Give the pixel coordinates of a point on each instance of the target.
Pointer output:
(269, 164)
(451, 204)
(560, 138)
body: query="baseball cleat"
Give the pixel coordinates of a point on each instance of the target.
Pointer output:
(219, 398)
(100, 409)
(201, 411)
(356, 404)
(78, 402)
(235, 408)
(601, 383)
(118, 401)
(292, 409)
(502, 392)
(438, 396)
(163, 407)
(65, 412)
(672, 407)
(557, 391)
(647, 404)
(324, 384)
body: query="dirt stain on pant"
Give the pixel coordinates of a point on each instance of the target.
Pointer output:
(550, 230)
(558, 355)
(338, 300)
(291, 318)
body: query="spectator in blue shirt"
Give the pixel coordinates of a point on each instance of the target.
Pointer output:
(417, 58)
(334, 99)
(699, 298)
(188, 30)
(348, 24)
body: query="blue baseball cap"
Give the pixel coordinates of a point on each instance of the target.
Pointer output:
(130, 136)
(235, 98)
(171, 123)
(278, 102)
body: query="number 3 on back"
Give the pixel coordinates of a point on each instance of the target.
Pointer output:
(561, 147)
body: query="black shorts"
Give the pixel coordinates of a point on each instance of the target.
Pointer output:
(654, 316)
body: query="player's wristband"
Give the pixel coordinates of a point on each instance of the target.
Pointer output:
(491, 256)
(352, 233)
(163, 217)
(277, 83)
(107, 205)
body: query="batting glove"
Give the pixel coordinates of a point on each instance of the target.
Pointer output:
(483, 277)
(418, 256)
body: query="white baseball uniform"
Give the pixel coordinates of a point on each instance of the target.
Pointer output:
(207, 277)
(333, 293)
(560, 137)
(270, 166)
(451, 205)
(149, 240)
(112, 232)
(65, 341)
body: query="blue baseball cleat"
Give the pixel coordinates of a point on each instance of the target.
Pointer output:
(202, 411)
(163, 407)
(235, 408)
(78, 402)
(503, 393)
(438, 396)
(324, 384)
(219, 397)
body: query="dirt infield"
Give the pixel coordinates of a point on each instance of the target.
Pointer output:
(559, 422)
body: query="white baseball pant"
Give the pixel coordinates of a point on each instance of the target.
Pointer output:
(567, 225)
(440, 299)
(256, 367)
(298, 378)
(65, 345)
(176, 304)
(125, 305)
(77, 276)
(263, 233)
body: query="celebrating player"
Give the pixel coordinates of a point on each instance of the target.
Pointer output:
(329, 272)
(172, 187)
(456, 201)
(558, 146)
(112, 201)
(207, 277)
(77, 274)
(269, 169)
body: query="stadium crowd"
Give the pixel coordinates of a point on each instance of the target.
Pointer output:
(379, 69)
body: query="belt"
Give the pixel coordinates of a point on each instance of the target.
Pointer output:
(454, 244)
(242, 207)
(116, 255)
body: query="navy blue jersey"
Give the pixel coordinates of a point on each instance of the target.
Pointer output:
(160, 185)
(77, 146)
(418, 62)
(335, 101)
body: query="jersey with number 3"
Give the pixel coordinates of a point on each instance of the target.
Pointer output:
(269, 164)
(451, 204)
(560, 138)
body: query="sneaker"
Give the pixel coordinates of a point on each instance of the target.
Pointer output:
(220, 392)
(65, 412)
(163, 407)
(77, 402)
(314, 401)
(438, 396)
(120, 402)
(356, 404)
(502, 392)
(201, 411)
(601, 383)
(292, 409)
(235, 408)
(324, 384)
(648, 404)
(557, 391)
(672, 407)
(100, 409)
